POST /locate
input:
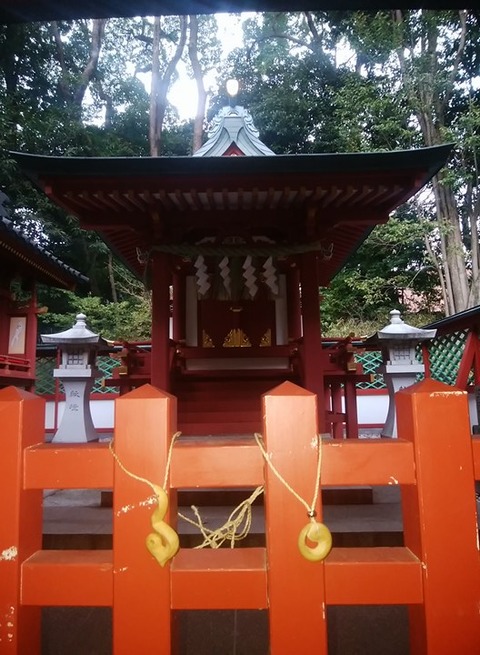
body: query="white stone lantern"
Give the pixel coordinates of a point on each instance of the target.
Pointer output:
(76, 372)
(400, 368)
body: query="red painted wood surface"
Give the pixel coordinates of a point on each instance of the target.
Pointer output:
(350, 390)
(219, 579)
(218, 462)
(476, 456)
(294, 309)
(470, 361)
(68, 578)
(179, 304)
(373, 576)
(439, 567)
(22, 417)
(296, 587)
(440, 521)
(145, 420)
(161, 276)
(312, 345)
(68, 466)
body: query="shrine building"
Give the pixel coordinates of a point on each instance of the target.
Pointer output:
(234, 243)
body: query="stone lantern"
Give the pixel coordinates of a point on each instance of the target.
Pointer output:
(76, 372)
(400, 367)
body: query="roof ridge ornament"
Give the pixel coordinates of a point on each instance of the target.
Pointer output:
(233, 126)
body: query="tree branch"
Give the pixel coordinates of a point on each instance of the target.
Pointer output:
(158, 97)
(459, 54)
(98, 30)
(62, 83)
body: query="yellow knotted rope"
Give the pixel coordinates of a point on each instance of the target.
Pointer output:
(313, 531)
(163, 543)
(232, 529)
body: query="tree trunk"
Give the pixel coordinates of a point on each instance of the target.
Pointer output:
(74, 92)
(161, 84)
(198, 75)
(430, 107)
(449, 224)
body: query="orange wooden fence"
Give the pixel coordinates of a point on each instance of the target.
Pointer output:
(437, 573)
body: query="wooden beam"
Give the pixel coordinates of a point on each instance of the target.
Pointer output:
(373, 576)
(68, 578)
(68, 466)
(222, 578)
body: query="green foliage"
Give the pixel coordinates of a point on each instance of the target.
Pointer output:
(125, 320)
(373, 281)
(402, 68)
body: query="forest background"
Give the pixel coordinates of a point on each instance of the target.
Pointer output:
(313, 82)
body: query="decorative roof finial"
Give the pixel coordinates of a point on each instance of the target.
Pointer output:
(232, 89)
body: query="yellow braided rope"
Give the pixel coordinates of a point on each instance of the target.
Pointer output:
(138, 477)
(235, 528)
(313, 531)
(310, 508)
(163, 543)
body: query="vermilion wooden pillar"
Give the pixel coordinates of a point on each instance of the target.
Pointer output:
(161, 276)
(294, 312)
(312, 344)
(145, 420)
(440, 522)
(179, 307)
(22, 418)
(295, 586)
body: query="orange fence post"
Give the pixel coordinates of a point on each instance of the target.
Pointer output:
(295, 586)
(440, 525)
(145, 420)
(22, 417)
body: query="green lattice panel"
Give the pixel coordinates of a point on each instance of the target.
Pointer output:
(371, 360)
(44, 381)
(105, 364)
(445, 356)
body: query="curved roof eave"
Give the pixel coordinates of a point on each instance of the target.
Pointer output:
(45, 267)
(429, 160)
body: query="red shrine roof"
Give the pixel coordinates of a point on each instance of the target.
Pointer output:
(187, 206)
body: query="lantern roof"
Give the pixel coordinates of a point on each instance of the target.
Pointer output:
(78, 334)
(398, 331)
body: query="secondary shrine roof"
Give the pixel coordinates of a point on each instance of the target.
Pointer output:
(20, 254)
(181, 205)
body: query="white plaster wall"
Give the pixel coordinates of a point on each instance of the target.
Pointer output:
(371, 410)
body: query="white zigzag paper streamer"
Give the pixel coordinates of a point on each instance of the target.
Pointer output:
(250, 276)
(225, 273)
(270, 275)
(203, 282)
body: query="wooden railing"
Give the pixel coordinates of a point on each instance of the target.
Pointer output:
(436, 573)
